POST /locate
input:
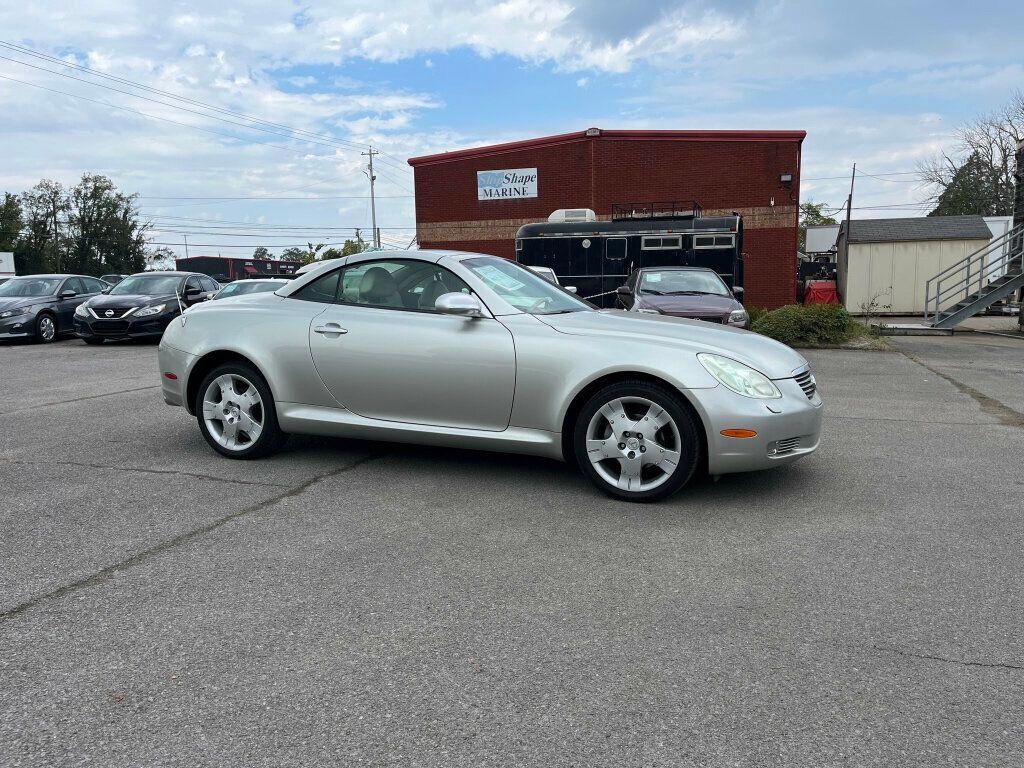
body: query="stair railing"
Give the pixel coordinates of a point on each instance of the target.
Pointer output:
(972, 273)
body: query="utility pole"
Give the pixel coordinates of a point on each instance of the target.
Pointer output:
(373, 200)
(844, 257)
(186, 246)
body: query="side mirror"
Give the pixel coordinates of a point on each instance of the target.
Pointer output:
(67, 295)
(624, 290)
(459, 304)
(737, 291)
(192, 295)
(570, 288)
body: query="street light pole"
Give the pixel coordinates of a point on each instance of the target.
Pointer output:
(373, 200)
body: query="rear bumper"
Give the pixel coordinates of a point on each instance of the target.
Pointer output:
(793, 419)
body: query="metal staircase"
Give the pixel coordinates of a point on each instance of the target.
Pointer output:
(976, 282)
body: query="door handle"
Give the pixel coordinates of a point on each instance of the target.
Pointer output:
(330, 328)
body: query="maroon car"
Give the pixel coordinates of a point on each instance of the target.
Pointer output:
(682, 292)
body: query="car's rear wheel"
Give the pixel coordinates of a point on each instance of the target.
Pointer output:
(236, 412)
(46, 328)
(637, 441)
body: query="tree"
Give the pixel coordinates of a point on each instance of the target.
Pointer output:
(977, 176)
(812, 214)
(104, 232)
(261, 253)
(10, 222)
(293, 254)
(44, 238)
(160, 257)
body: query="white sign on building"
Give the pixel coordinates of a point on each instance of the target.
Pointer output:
(506, 185)
(6, 264)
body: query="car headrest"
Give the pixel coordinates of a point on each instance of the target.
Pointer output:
(377, 283)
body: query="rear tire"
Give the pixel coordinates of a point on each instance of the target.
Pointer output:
(637, 441)
(236, 412)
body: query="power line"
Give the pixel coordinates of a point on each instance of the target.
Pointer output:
(301, 134)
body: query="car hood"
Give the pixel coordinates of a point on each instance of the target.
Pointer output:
(775, 360)
(689, 304)
(12, 302)
(128, 300)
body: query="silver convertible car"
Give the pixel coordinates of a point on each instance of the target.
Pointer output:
(460, 349)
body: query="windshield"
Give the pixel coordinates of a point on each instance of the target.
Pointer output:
(239, 289)
(30, 286)
(148, 285)
(524, 289)
(676, 281)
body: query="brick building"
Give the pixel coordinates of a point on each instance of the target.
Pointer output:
(753, 173)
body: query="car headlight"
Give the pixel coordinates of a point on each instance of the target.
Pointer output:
(15, 312)
(81, 311)
(154, 310)
(740, 378)
(649, 311)
(738, 316)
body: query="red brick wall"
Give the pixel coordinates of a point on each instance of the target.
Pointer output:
(724, 175)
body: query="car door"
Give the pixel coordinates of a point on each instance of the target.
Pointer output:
(387, 354)
(66, 307)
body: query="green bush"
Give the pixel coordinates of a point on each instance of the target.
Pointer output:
(755, 313)
(811, 324)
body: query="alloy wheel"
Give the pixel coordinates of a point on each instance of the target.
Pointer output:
(233, 411)
(633, 444)
(47, 328)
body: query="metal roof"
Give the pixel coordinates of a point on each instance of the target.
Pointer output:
(598, 133)
(925, 228)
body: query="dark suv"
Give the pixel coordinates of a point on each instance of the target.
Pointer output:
(141, 306)
(42, 306)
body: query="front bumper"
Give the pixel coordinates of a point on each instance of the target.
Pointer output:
(788, 428)
(18, 326)
(179, 364)
(125, 328)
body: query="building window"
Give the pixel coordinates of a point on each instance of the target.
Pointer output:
(672, 243)
(713, 241)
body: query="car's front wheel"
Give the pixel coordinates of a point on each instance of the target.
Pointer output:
(46, 327)
(236, 412)
(637, 441)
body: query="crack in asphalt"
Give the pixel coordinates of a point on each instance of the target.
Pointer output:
(147, 470)
(78, 399)
(107, 572)
(959, 662)
(1006, 415)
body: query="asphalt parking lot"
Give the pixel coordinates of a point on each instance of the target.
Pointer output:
(349, 603)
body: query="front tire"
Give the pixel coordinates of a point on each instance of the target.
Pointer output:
(637, 441)
(236, 412)
(46, 328)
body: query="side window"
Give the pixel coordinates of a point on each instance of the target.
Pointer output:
(323, 289)
(192, 283)
(209, 284)
(73, 284)
(94, 286)
(398, 284)
(615, 248)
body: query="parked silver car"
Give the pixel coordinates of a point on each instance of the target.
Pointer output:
(459, 349)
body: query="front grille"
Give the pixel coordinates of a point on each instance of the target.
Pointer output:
(718, 320)
(101, 312)
(110, 326)
(780, 447)
(807, 384)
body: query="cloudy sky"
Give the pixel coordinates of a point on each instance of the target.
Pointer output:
(882, 84)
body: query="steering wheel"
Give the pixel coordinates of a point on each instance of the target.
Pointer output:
(541, 302)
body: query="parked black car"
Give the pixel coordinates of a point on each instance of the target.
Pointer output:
(43, 306)
(141, 306)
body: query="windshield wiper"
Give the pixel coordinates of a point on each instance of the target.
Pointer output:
(694, 293)
(653, 292)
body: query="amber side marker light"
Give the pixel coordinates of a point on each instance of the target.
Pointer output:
(171, 376)
(738, 433)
